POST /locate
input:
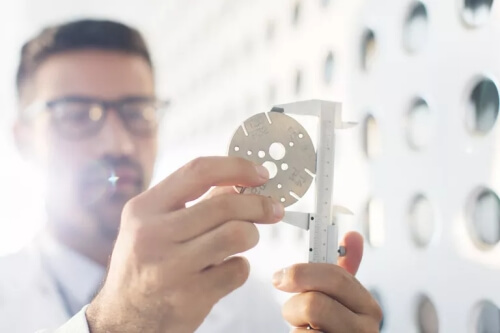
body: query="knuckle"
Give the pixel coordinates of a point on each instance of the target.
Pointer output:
(241, 271)
(295, 275)
(131, 220)
(131, 208)
(196, 167)
(378, 313)
(341, 279)
(242, 235)
(224, 204)
(369, 327)
(313, 306)
(172, 228)
(267, 207)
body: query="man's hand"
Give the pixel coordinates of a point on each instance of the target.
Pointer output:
(329, 298)
(170, 263)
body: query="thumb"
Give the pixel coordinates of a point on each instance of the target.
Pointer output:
(353, 243)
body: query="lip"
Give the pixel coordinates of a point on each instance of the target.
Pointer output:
(121, 175)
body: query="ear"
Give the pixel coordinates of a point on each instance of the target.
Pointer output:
(23, 138)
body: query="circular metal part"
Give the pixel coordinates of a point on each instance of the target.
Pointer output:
(287, 147)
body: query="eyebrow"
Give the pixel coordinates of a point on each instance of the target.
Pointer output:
(88, 98)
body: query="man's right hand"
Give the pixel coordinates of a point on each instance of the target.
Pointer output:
(170, 263)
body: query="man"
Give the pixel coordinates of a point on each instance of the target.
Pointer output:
(88, 119)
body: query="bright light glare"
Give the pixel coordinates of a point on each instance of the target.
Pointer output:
(21, 194)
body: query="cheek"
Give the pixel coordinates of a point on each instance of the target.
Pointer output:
(147, 150)
(59, 160)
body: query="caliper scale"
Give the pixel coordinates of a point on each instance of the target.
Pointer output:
(292, 172)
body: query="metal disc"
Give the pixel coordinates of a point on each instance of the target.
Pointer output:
(276, 139)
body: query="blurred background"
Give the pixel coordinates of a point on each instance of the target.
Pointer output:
(419, 171)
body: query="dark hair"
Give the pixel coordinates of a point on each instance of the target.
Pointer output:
(78, 35)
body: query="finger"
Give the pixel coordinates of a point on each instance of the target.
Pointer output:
(215, 246)
(187, 223)
(218, 281)
(320, 312)
(197, 177)
(329, 279)
(220, 190)
(353, 243)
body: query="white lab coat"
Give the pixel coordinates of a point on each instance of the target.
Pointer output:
(29, 302)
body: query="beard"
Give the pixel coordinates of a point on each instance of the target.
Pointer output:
(105, 186)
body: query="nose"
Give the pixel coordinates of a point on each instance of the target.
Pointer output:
(114, 139)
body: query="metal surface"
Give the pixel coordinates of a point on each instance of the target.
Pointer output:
(294, 171)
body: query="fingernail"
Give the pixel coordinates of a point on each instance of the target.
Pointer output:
(278, 277)
(278, 210)
(262, 171)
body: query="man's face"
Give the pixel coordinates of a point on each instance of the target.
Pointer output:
(90, 177)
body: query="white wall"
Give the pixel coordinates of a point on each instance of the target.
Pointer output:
(223, 60)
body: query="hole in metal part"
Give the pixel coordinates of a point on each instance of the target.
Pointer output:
(262, 154)
(277, 151)
(271, 168)
(283, 199)
(244, 129)
(280, 186)
(249, 153)
(284, 166)
(236, 148)
(309, 172)
(301, 135)
(294, 195)
(291, 144)
(268, 118)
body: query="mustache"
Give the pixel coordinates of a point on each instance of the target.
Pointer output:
(102, 169)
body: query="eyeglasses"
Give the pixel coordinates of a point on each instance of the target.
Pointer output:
(76, 117)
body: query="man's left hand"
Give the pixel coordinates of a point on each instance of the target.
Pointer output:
(330, 299)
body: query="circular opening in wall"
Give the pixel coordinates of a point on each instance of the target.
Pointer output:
(422, 221)
(426, 316)
(421, 125)
(298, 82)
(270, 30)
(486, 318)
(296, 13)
(375, 223)
(415, 28)
(372, 137)
(483, 105)
(484, 216)
(476, 12)
(328, 70)
(368, 50)
(376, 295)
(271, 94)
